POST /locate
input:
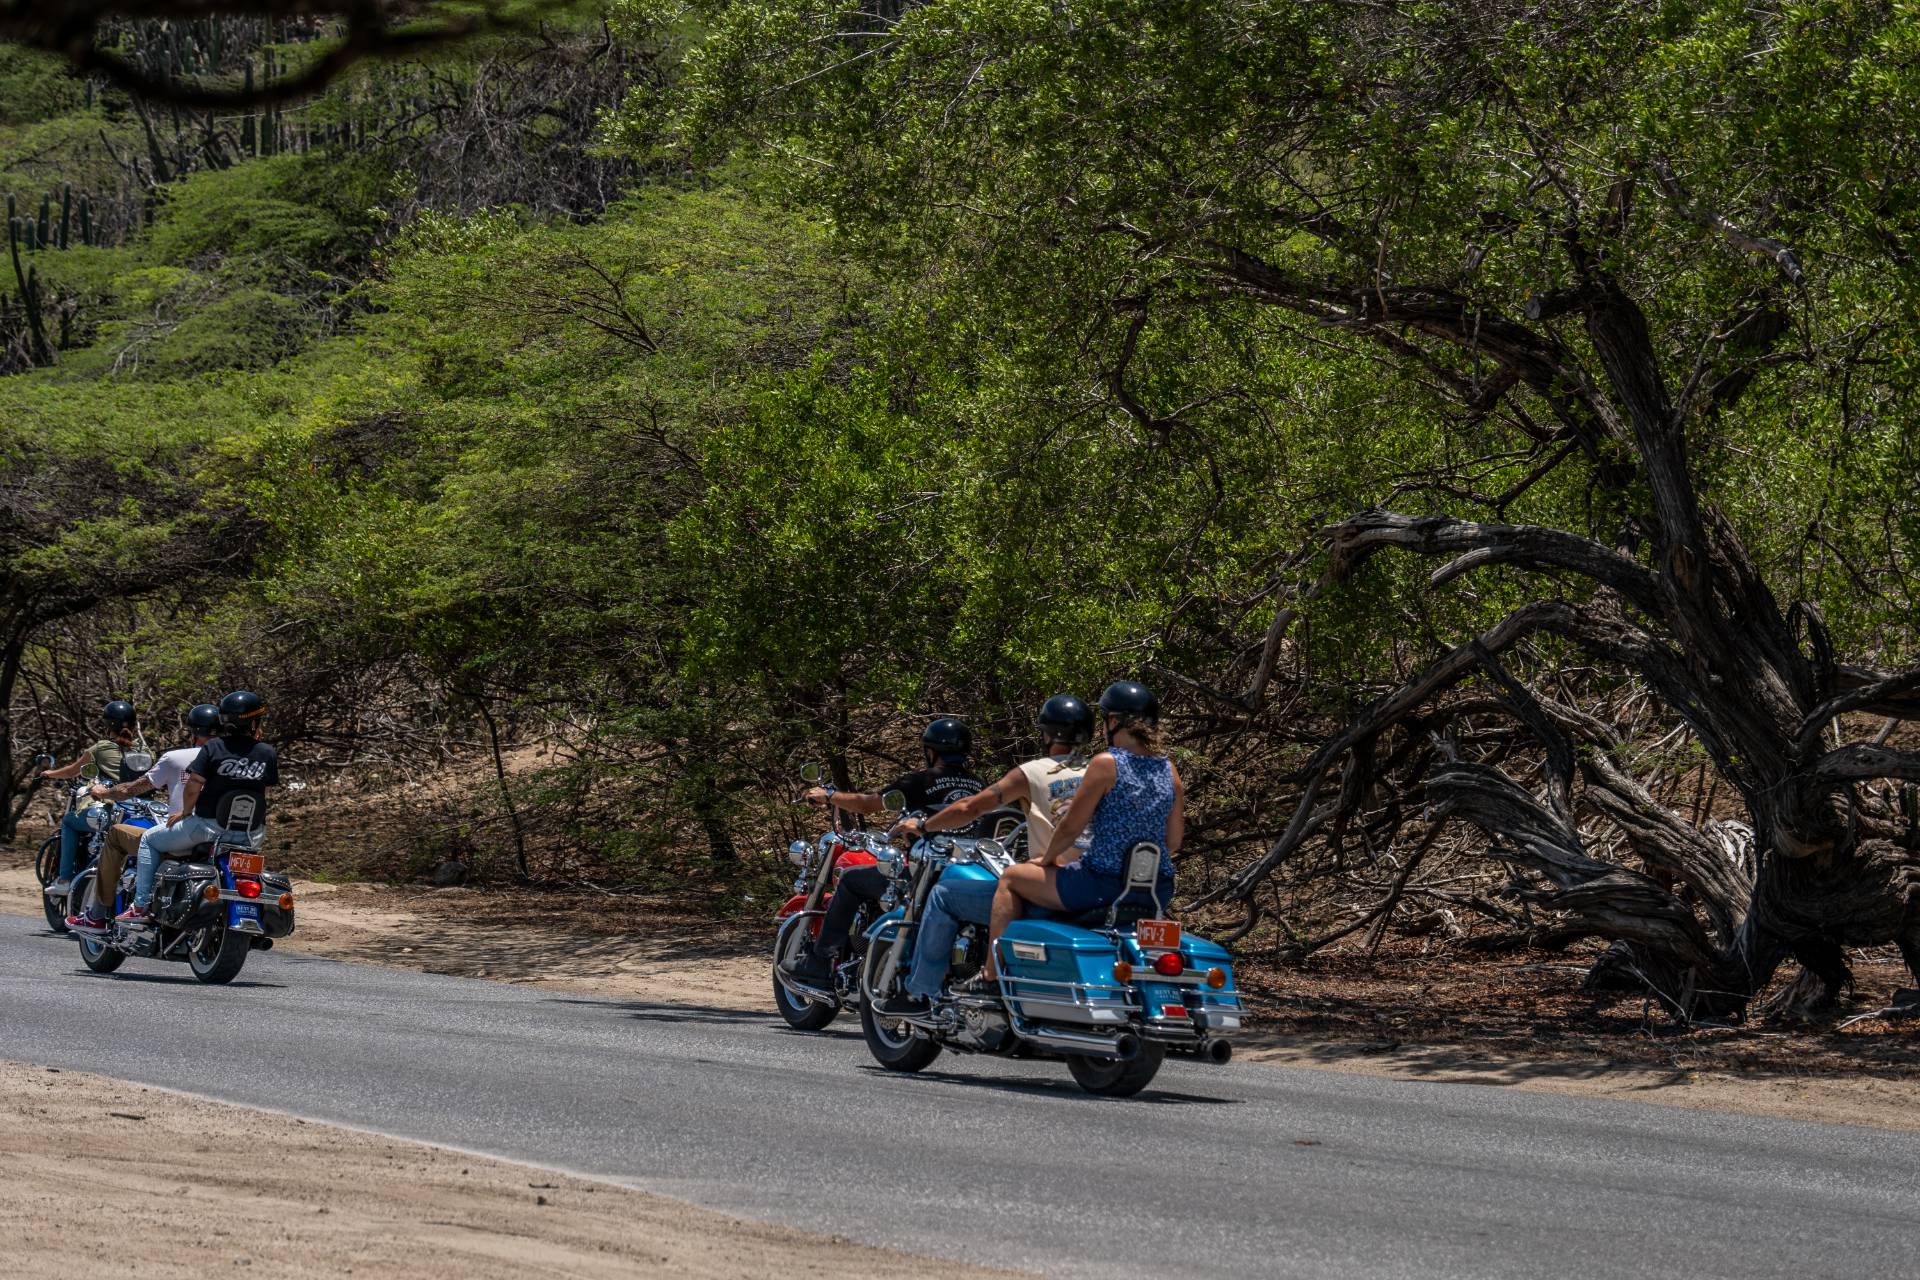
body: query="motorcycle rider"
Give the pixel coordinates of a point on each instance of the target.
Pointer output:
(1131, 793)
(103, 761)
(169, 774)
(945, 745)
(1043, 789)
(234, 760)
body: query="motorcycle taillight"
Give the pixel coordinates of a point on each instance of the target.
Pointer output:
(246, 888)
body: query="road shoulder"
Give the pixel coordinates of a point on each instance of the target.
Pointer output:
(192, 1186)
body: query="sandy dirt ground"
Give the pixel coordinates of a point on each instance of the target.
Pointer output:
(93, 1164)
(631, 949)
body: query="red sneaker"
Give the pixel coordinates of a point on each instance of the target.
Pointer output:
(86, 922)
(134, 917)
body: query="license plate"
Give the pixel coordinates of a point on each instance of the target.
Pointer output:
(1161, 935)
(252, 864)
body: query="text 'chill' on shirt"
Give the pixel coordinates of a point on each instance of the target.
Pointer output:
(229, 765)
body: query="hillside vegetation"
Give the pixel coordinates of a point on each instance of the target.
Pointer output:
(1490, 427)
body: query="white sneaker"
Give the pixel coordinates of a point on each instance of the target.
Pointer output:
(59, 888)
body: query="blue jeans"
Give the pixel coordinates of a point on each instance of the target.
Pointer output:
(953, 900)
(73, 829)
(178, 838)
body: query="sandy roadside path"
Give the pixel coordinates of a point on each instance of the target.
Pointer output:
(460, 931)
(192, 1187)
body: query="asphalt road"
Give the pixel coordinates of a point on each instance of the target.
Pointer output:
(1239, 1170)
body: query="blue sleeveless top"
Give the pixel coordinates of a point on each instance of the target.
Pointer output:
(1135, 808)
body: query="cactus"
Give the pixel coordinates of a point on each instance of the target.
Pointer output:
(66, 212)
(29, 281)
(44, 227)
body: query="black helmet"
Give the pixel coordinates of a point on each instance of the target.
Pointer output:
(1064, 718)
(948, 737)
(119, 711)
(239, 709)
(204, 718)
(1130, 701)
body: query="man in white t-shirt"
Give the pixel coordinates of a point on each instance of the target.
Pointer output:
(1043, 789)
(168, 774)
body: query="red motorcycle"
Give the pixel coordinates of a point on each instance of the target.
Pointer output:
(821, 864)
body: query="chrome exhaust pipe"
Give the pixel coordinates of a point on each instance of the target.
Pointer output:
(1220, 1052)
(1123, 1047)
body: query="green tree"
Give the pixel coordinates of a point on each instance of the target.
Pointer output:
(1646, 362)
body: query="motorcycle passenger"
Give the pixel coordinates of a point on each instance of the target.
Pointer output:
(1043, 789)
(169, 774)
(103, 761)
(235, 760)
(1131, 793)
(944, 745)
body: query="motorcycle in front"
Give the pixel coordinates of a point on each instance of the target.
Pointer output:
(1113, 990)
(837, 851)
(98, 815)
(210, 908)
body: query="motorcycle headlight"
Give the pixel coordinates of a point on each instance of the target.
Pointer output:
(98, 818)
(797, 853)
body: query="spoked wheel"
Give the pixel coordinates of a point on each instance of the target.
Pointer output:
(216, 953)
(1112, 1078)
(47, 867)
(893, 1044)
(801, 1014)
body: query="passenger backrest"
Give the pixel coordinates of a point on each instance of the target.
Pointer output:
(1143, 876)
(240, 815)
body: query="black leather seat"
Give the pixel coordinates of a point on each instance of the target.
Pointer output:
(1133, 908)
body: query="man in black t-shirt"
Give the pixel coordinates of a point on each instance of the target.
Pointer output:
(235, 763)
(946, 744)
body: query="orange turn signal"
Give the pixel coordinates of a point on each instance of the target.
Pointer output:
(1216, 978)
(211, 893)
(1122, 972)
(286, 904)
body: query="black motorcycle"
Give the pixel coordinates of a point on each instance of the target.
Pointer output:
(209, 910)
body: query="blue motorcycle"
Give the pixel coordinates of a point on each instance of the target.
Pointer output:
(1114, 990)
(99, 817)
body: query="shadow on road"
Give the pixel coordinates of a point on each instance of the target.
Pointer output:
(657, 1011)
(183, 978)
(1061, 1086)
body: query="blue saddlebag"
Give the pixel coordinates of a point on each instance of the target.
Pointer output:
(1052, 972)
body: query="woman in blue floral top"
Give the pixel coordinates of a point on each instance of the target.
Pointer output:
(1131, 793)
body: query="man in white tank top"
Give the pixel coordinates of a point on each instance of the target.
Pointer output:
(1043, 788)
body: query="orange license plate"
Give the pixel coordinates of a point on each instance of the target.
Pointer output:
(1161, 935)
(252, 864)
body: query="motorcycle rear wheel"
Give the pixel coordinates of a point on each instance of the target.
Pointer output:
(46, 866)
(893, 1045)
(216, 954)
(1111, 1078)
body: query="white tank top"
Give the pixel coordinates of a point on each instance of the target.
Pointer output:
(1050, 786)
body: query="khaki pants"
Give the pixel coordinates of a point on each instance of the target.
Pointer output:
(122, 843)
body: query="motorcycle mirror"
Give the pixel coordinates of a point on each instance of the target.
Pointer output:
(894, 801)
(810, 772)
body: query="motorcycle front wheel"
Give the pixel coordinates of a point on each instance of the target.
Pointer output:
(216, 953)
(46, 867)
(801, 1014)
(892, 1044)
(98, 956)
